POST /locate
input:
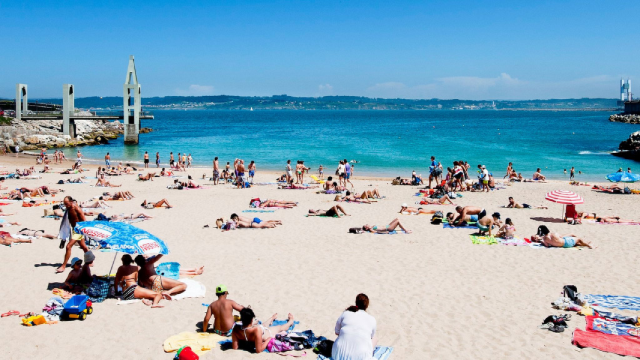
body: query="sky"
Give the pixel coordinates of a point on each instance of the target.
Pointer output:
(477, 50)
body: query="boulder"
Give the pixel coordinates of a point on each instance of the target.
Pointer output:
(632, 143)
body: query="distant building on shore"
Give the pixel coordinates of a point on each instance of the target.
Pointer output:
(625, 92)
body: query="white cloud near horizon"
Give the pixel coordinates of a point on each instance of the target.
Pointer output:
(325, 89)
(503, 86)
(196, 90)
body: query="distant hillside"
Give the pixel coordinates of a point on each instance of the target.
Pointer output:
(284, 102)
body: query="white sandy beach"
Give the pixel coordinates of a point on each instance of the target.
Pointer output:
(434, 294)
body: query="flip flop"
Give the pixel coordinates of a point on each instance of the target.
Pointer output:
(27, 314)
(9, 313)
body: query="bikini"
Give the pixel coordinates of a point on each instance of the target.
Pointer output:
(260, 326)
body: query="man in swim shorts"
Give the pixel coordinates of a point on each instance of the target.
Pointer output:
(222, 311)
(463, 212)
(549, 239)
(75, 215)
(486, 224)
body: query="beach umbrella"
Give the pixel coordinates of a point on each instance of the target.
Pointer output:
(623, 177)
(122, 237)
(564, 197)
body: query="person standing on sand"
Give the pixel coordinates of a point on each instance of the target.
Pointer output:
(572, 175)
(157, 159)
(79, 155)
(179, 159)
(189, 158)
(347, 173)
(171, 160)
(289, 171)
(73, 215)
(216, 171)
(17, 147)
(252, 171)
(146, 160)
(222, 311)
(107, 160)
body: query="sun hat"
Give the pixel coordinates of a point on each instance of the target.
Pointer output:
(404, 205)
(221, 289)
(75, 260)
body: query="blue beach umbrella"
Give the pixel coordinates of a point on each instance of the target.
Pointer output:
(623, 177)
(122, 237)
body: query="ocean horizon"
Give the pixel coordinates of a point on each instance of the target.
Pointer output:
(384, 143)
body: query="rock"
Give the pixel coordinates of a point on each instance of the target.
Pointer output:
(632, 143)
(145, 130)
(625, 118)
(9, 142)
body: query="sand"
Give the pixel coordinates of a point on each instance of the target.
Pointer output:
(433, 294)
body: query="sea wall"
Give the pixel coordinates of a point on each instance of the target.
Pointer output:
(625, 118)
(33, 135)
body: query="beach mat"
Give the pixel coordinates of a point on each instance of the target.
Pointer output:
(394, 232)
(516, 241)
(199, 342)
(614, 301)
(540, 246)
(380, 353)
(258, 211)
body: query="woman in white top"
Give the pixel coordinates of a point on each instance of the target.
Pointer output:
(356, 331)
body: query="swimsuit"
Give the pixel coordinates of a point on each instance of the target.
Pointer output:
(569, 241)
(482, 214)
(482, 227)
(128, 294)
(473, 218)
(260, 326)
(157, 284)
(223, 333)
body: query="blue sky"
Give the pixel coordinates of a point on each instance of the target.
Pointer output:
(412, 49)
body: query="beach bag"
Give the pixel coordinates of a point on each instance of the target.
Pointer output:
(570, 291)
(355, 230)
(99, 289)
(436, 219)
(627, 190)
(275, 346)
(542, 230)
(395, 182)
(324, 348)
(60, 182)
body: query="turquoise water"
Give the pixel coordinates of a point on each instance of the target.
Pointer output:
(389, 143)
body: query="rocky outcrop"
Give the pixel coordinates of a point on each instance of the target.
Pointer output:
(632, 143)
(32, 135)
(145, 130)
(625, 118)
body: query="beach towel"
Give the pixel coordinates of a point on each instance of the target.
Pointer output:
(380, 353)
(198, 188)
(258, 211)
(483, 240)
(603, 223)
(602, 335)
(226, 343)
(612, 327)
(516, 241)
(540, 246)
(194, 289)
(199, 342)
(322, 216)
(394, 232)
(614, 301)
(65, 227)
(467, 226)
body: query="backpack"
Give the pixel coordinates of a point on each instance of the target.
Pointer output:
(324, 348)
(436, 219)
(570, 291)
(355, 230)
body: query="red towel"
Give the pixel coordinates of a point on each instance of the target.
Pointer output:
(621, 345)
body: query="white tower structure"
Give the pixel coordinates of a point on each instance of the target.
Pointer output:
(131, 92)
(21, 94)
(68, 108)
(625, 90)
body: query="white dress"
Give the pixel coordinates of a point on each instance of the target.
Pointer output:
(355, 331)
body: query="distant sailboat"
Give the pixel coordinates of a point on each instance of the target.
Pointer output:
(251, 109)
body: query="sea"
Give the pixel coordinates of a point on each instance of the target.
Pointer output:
(384, 143)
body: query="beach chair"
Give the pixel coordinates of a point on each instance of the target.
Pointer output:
(315, 178)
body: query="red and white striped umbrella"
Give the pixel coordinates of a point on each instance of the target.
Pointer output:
(564, 197)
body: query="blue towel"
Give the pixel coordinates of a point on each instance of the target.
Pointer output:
(614, 301)
(393, 233)
(380, 353)
(258, 211)
(448, 226)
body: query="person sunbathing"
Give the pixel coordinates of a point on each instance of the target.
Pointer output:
(7, 239)
(122, 217)
(251, 332)
(4, 213)
(147, 177)
(98, 204)
(615, 188)
(334, 211)
(395, 223)
(120, 195)
(5, 223)
(465, 220)
(565, 241)
(26, 192)
(349, 197)
(256, 223)
(149, 278)
(292, 185)
(614, 220)
(538, 175)
(507, 230)
(371, 194)
(275, 203)
(150, 205)
(513, 204)
(404, 209)
(586, 215)
(102, 182)
(443, 200)
(127, 278)
(74, 181)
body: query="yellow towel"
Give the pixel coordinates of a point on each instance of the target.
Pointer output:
(317, 180)
(199, 342)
